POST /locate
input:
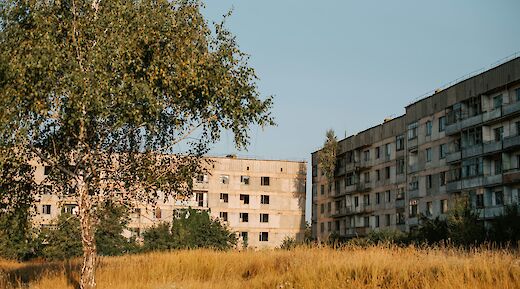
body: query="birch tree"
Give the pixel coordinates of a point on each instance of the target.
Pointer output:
(104, 92)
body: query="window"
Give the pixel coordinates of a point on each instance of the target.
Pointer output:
(387, 172)
(322, 190)
(400, 194)
(366, 222)
(497, 101)
(399, 140)
(70, 209)
(367, 177)
(224, 198)
(314, 171)
(264, 199)
(376, 221)
(499, 198)
(443, 148)
(264, 237)
(200, 199)
(244, 236)
(356, 201)
(366, 200)
(349, 180)
(366, 155)
(322, 227)
(322, 208)
(388, 196)
(429, 209)
(388, 150)
(378, 198)
(414, 184)
(499, 133)
(442, 123)
(442, 178)
(224, 179)
(158, 213)
(428, 128)
(244, 199)
(399, 218)
(498, 167)
(429, 154)
(413, 208)
(480, 200)
(329, 226)
(329, 207)
(201, 179)
(224, 216)
(400, 166)
(244, 180)
(412, 130)
(429, 181)
(517, 94)
(244, 217)
(264, 181)
(46, 170)
(46, 209)
(387, 220)
(264, 218)
(378, 152)
(378, 175)
(444, 206)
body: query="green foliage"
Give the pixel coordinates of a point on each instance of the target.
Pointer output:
(431, 231)
(17, 239)
(387, 236)
(464, 227)
(191, 229)
(113, 220)
(289, 243)
(63, 240)
(506, 228)
(327, 155)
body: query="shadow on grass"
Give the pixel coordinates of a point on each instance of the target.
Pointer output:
(22, 277)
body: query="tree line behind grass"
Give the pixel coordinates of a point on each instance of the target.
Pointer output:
(189, 229)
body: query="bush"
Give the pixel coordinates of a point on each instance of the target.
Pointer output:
(17, 238)
(191, 229)
(113, 220)
(63, 242)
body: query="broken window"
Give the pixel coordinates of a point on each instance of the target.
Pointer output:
(224, 198)
(244, 199)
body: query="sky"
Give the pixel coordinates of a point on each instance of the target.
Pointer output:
(348, 65)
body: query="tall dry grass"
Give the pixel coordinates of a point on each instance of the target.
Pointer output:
(375, 267)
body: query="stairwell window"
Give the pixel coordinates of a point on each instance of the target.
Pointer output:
(442, 123)
(412, 130)
(428, 154)
(399, 140)
(264, 181)
(429, 128)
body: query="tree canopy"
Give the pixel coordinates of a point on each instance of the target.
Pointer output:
(102, 92)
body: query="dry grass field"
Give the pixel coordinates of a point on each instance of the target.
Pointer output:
(376, 267)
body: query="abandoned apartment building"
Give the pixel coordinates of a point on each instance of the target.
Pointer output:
(263, 201)
(462, 141)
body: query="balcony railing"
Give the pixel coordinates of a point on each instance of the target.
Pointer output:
(512, 176)
(511, 142)
(453, 157)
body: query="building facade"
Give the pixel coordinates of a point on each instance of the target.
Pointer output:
(262, 200)
(463, 141)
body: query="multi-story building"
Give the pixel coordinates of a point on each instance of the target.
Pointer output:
(462, 141)
(262, 200)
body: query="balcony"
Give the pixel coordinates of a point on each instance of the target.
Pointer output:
(363, 187)
(341, 212)
(472, 151)
(413, 194)
(399, 204)
(512, 176)
(492, 147)
(462, 124)
(453, 157)
(492, 115)
(413, 143)
(511, 108)
(453, 186)
(511, 142)
(413, 168)
(492, 180)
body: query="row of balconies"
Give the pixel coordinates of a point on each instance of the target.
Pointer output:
(485, 117)
(483, 149)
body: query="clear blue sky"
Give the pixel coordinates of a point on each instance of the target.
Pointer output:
(347, 65)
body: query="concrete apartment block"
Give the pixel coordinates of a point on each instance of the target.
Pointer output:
(262, 200)
(462, 141)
